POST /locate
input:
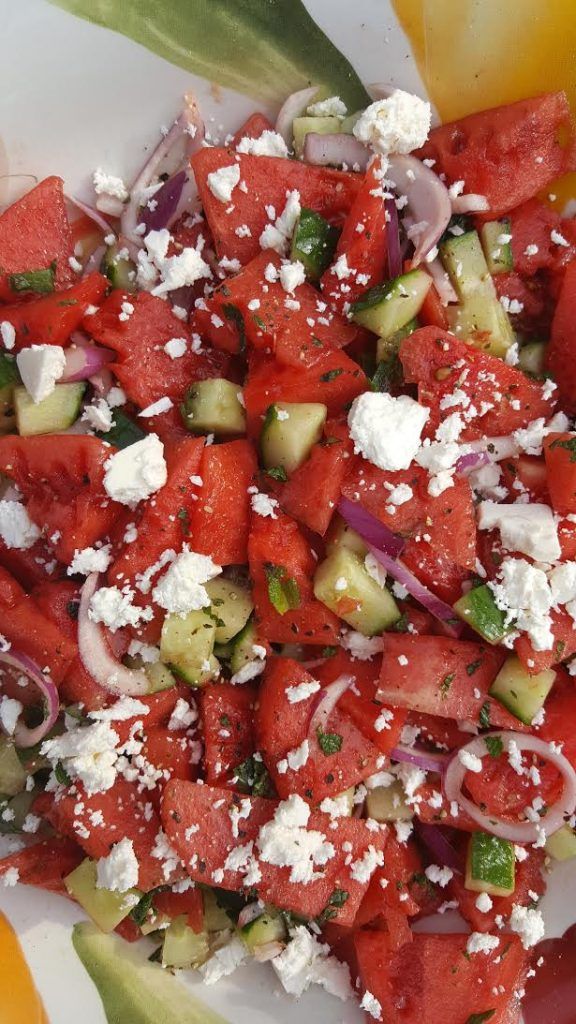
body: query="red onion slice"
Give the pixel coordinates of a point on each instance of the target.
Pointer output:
(23, 736)
(442, 282)
(188, 127)
(428, 200)
(294, 106)
(393, 239)
(370, 528)
(522, 832)
(435, 838)
(470, 203)
(92, 213)
(96, 655)
(328, 699)
(83, 362)
(427, 760)
(268, 951)
(166, 200)
(249, 913)
(336, 149)
(471, 461)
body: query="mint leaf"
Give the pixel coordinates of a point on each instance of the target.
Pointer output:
(494, 745)
(484, 716)
(283, 590)
(329, 742)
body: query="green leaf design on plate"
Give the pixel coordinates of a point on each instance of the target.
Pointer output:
(266, 48)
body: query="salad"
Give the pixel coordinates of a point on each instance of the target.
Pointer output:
(288, 554)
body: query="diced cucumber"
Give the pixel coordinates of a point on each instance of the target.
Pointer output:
(498, 253)
(387, 308)
(269, 927)
(532, 358)
(12, 773)
(231, 605)
(215, 917)
(124, 432)
(479, 315)
(106, 908)
(478, 610)
(213, 407)
(481, 319)
(490, 865)
(313, 243)
(388, 803)
(183, 947)
(52, 414)
(133, 990)
(120, 270)
(349, 122)
(243, 647)
(160, 677)
(562, 844)
(387, 347)
(9, 378)
(186, 645)
(18, 807)
(320, 125)
(342, 583)
(522, 694)
(289, 432)
(341, 535)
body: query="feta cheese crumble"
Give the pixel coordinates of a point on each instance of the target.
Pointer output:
(223, 182)
(40, 366)
(180, 590)
(119, 870)
(397, 124)
(16, 528)
(530, 529)
(386, 431)
(269, 143)
(134, 473)
(306, 961)
(331, 107)
(287, 842)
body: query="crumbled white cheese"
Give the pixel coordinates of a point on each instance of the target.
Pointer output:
(157, 408)
(471, 762)
(264, 505)
(530, 529)
(269, 143)
(122, 710)
(528, 924)
(16, 528)
(439, 875)
(484, 903)
(305, 962)
(478, 942)
(98, 415)
(303, 691)
(176, 347)
(370, 1004)
(336, 807)
(295, 759)
(278, 235)
(119, 870)
(331, 107)
(362, 648)
(223, 182)
(522, 592)
(10, 711)
(224, 961)
(292, 275)
(90, 560)
(180, 590)
(361, 870)
(113, 607)
(386, 431)
(40, 366)
(136, 472)
(88, 754)
(397, 124)
(8, 334)
(183, 716)
(287, 842)
(109, 185)
(10, 878)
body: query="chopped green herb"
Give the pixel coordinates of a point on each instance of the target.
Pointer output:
(494, 745)
(259, 321)
(277, 473)
(183, 516)
(72, 609)
(62, 775)
(569, 445)
(484, 716)
(225, 721)
(233, 314)
(252, 777)
(329, 742)
(388, 374)
(40, 281)
(283, 590)
(337, 900)
(447, 683)
(270, 417)
(479, 1018)
(329, 651)
(401, 625)
(330, 375)
(140, 912)
(473, 667)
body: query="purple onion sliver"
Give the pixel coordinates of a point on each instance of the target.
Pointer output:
(393, 239)
(23, 736)
(84, 362)
(471, 461)
(370, 528)
(166, 200)
(337, 149)
(438, 608)
(424, 759)
(436, 840)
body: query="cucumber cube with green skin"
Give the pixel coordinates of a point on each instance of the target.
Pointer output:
(301, 126)
(214, 407)
(186, 645)
(269, 927)
(387, 347)
(387, 308)
(289, 432)
(120, 271)
(498, 253)
(9, 378)
(465, 263)
(215, 917)
(124, 431)
(388, 803)
(562, 844)
(478, 610)
(342, 580)
(12, 773)
(183, 947)
(106, 908)
(490, 865)
(532, 358)
(231, 607)
(243, 647)
(343, 536)
(55, 413)
(313, 243)
(19, 808)
(522, 694)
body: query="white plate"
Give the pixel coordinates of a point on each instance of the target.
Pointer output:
(75, 96)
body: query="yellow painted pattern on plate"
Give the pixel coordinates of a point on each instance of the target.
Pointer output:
(475, 54)
(20, 1002)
